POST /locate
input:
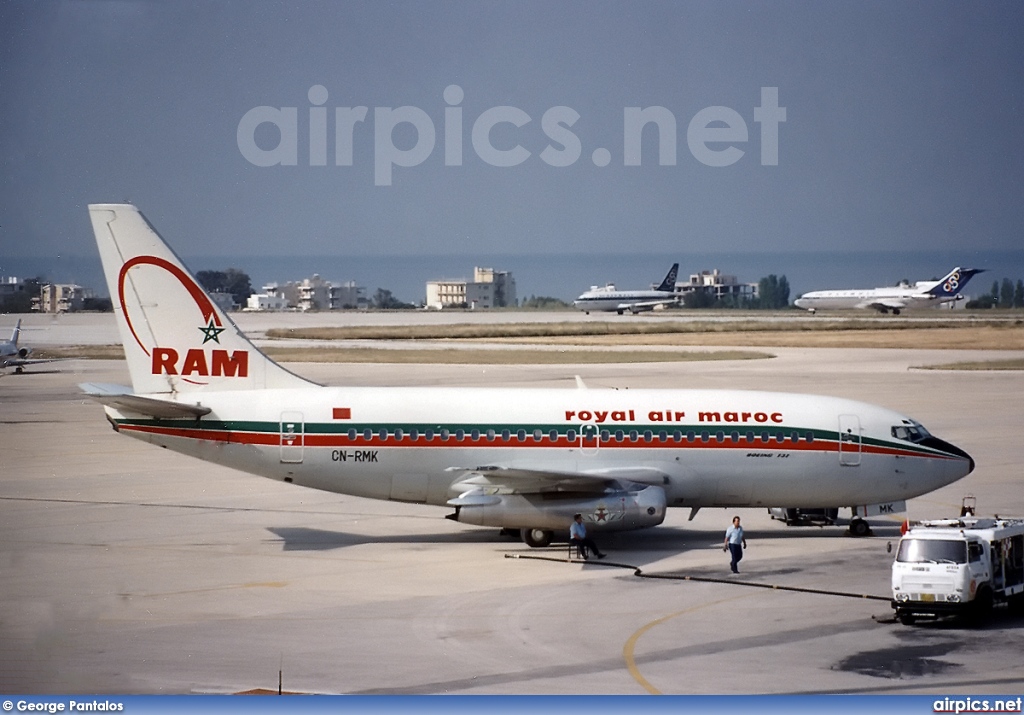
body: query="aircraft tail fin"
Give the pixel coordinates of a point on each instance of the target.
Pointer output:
(175, 337)
(954, 282)
(16, 333)
(669, 284)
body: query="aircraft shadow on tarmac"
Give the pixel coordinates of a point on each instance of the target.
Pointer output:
(306, 539)
(641, 544)
(663, 539)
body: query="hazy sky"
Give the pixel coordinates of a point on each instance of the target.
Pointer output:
(904, 125)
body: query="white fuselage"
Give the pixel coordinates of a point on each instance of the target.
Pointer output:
(609, 299)
(704, 448)
(890, 298)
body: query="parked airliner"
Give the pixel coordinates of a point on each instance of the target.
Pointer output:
(13, 355)
(923, 294)
(607, 298)
(525, 459)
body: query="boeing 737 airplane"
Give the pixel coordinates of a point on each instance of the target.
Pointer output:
(524, 459)
(923, 294)
(635, 301)
(11, 355)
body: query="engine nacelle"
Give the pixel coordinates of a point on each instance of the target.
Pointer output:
(632, 506)
(24, 352)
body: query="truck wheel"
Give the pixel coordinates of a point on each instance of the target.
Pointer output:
(859, 527)
(980, 610)
(906, 619)
(1016, 604)
(537, 538)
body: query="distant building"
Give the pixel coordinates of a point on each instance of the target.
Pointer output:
(488, 289)
(309, 294)
(9, 285)
(348, 295)
(59, 298)
(266, 301)
(718, 285)
(224, 301)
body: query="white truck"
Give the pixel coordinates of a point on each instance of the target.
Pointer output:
(958, 567)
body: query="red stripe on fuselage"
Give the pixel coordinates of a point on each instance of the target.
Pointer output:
(273, 439)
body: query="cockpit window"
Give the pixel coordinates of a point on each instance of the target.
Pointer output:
(932, 551)
(910, 432)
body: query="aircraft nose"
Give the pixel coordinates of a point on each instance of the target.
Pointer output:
(948, 448)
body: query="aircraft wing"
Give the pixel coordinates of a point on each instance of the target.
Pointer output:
(22, 362)
(885, 304)
(122, 398)
(487, 481)
(647, 304)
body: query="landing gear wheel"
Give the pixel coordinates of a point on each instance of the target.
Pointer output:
(537, 538)
(859, 527)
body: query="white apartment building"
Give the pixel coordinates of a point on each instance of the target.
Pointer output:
(309, 294)
(488, 289)
(717, 284)
(59, 298)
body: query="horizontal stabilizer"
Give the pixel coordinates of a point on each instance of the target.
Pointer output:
(122, 398)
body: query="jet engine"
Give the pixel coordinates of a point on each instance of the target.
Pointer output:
(625, 507)
(24, 352)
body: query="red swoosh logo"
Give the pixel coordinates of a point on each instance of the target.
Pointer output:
(203, 301)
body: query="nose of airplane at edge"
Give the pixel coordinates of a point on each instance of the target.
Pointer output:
(949, 448)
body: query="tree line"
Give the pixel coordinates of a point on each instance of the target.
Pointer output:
(1004, 294)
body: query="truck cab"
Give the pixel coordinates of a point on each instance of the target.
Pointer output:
(958, 567)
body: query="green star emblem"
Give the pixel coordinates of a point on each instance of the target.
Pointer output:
(211, 332)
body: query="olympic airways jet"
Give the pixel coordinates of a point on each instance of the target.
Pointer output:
(923, 294)
(607, 298)
(524, 459)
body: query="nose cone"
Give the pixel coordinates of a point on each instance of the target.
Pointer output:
(800, 303)
(967, 461)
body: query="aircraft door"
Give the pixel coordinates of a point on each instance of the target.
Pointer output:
(293, 437)
(849, 440)
(590, 438)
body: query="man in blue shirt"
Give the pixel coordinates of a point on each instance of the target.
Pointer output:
(735, 542)
(578, 537)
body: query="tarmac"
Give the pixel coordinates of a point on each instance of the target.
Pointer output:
(129, 569)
